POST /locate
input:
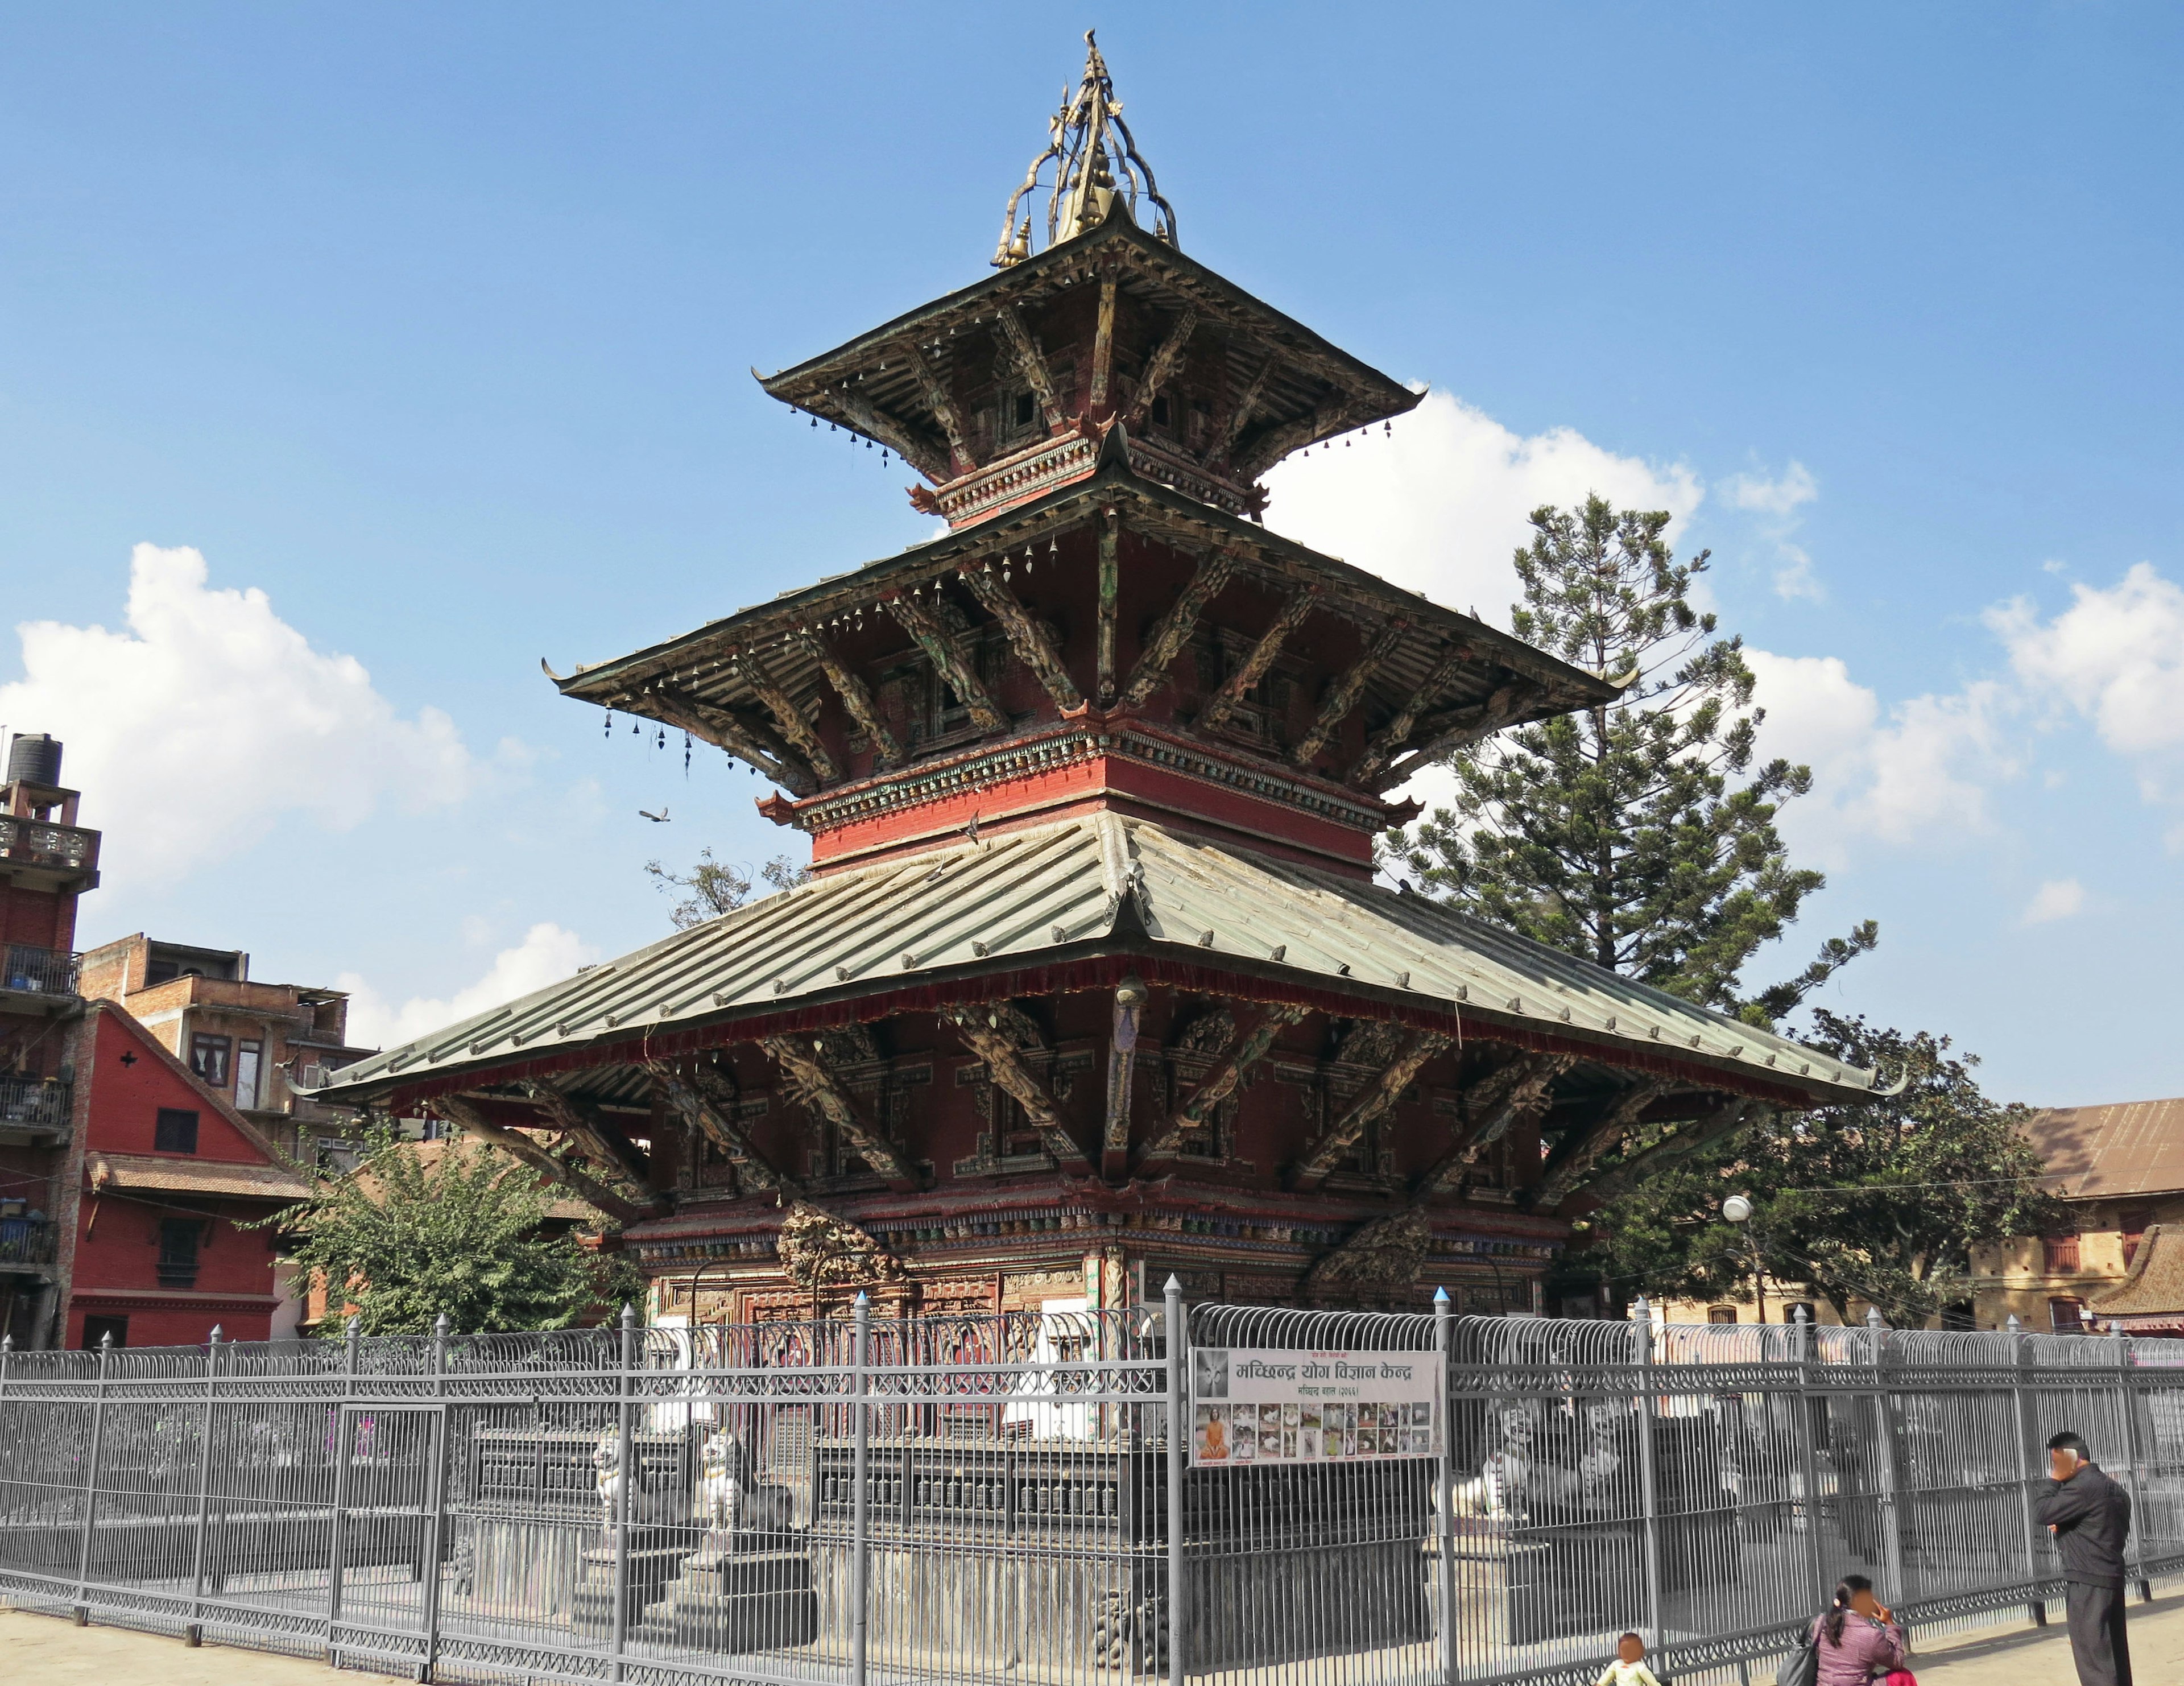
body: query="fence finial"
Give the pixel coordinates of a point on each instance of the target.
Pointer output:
(355, 1327)
(1440, 1296)
(7, 1343)
(106, 1341)
(1872, 1318)
(862, 1298)
(2014, 1325)
(441, 1326)
(628, 1315)
(213, 1339)
(1173, 1285)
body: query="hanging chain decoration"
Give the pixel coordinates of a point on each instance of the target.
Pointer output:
(1089, 143)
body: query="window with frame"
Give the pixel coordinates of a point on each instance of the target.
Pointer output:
(175, 1131)
(1721, 1314)
(209, 1059)
(179, 1241)
(249, 1060)
(98, 1331)
(2066, 1316)
(2059, 1255)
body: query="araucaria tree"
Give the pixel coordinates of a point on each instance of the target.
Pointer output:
(458, 1228)
(1641, 833)
(1880, 1203)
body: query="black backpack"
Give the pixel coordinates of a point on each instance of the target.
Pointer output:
(1803, 1667)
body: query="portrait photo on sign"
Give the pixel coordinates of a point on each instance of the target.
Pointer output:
(1209, 1373)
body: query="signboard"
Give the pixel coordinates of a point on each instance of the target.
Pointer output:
(1280, 1405)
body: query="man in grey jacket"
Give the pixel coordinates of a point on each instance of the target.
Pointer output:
(2090, 1516)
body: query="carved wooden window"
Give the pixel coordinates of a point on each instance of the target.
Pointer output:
(1017, 420)
(2061, 1254)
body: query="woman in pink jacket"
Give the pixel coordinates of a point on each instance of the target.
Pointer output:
(1858, 1639)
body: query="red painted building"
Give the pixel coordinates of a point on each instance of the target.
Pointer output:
(168, 1170)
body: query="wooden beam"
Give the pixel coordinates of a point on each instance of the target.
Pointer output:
(702, 1106)
(1175, 631)
(1103, 348)
(1026, 637)
(816, 1087)
(1014, 1079)
(933, 639)
(1377, 1096)
(887, 750)
(1121, 1062)
(1462, 726)
(1502, 1098)
(1245, 1050)
(787, 714)
(463, 1112)
(1389, 740)
(960, 459)
(1240, 417)
(1110, 597)
(1162, 366)
(1584, 1148)
(745, 739)
(895, 435)
(1344, 694)
(611, 1153)
(1230, 696)
(1024, 351)
(1686, 1141)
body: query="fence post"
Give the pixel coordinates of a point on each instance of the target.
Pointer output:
(626, 1465)
(2036, 1606)
(436, 1500)
(91, 1481)
(2126, 1409)
(861, 1501)
(1641, 1342)
(1178, 1464)
(1444, 1485)
(1891, 1481)
(1809, 1464)
(351, 1343)
(193, 1634)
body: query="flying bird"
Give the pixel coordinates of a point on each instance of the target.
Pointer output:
(660, 818)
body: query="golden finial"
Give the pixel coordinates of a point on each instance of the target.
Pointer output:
(1096, 161)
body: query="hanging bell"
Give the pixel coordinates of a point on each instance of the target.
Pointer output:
(609, 731)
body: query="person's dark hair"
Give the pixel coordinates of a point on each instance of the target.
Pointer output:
(1846, 1589)
(1620, 1637)
(2070, 1440)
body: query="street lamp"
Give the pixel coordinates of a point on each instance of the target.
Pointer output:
(1736, 1210)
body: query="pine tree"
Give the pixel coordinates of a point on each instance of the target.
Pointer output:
(1640, 833)
(410, 1234)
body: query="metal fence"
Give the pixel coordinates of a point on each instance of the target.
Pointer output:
(854, 1499)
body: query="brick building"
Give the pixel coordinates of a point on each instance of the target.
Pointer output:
(47, 861)
(249, 1041)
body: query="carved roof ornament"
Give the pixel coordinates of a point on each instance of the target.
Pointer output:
(1094, 160)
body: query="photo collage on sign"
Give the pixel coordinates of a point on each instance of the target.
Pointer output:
(1315, 1432)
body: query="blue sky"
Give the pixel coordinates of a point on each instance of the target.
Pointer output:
(431, 326)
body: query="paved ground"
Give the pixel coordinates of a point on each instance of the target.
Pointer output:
(45, 1650)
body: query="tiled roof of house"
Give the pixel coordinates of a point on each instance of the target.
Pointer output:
(175, 1175)
(2153, 1288)
(2131, 1147)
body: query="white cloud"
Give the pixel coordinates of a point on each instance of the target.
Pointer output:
(546, 954)
(1779, 500)
(1441, 506)
(2115, 656)
(1918, 773)
(2057, 899)
(193, 729)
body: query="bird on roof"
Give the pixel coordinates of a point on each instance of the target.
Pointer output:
(660, 818)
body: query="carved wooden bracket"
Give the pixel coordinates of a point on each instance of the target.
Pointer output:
(1245, 1050)
(1377, 1096)
(1687, 1140)
(1382, 1257)
(1121, 1062)
(786, 715)
(812, 1085)
(611, 1153)
(745, 739)
(1165, 363)
(1175, 630)
(1023, 351)
(1234, 689)
(1499, 1100)
(960, 459)
(1344, 694)
(1026, 637)
(1584, 1148)
(1388, 742)
(463, 1112)
(704, 1108)
(895, 435)
(1461, 725)
(933, 639)
(886, 750)
(1013, 1078)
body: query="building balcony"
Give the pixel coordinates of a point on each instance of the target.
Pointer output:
(34, 1107)
(25, 970)
(51, 856)
(26, 1242)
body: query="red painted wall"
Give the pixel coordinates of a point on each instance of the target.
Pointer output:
(118, 1232)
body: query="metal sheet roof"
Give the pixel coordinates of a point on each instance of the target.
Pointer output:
(1022, 897)
(2126, 1148)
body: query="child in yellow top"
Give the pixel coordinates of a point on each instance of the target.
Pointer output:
(1628, 1668)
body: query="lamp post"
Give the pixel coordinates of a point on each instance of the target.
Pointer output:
(1738, 1210)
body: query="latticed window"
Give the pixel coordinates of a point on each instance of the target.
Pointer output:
(2061, 1254)
(178, 1252)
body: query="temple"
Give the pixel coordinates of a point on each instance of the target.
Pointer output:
(1092, 980)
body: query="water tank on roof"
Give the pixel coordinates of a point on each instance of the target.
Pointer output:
(34, 758)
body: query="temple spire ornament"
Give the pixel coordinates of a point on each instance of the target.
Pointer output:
(1089, 143)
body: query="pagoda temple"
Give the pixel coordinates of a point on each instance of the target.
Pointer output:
(1091, 980)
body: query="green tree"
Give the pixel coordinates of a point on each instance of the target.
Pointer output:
(1640, 833)
(411, 1234)
(712, 887)
(1880, 1202)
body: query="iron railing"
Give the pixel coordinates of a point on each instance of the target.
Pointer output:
(1424, 1500)
(25, 1239)
(41, 971)
(35, 1102)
